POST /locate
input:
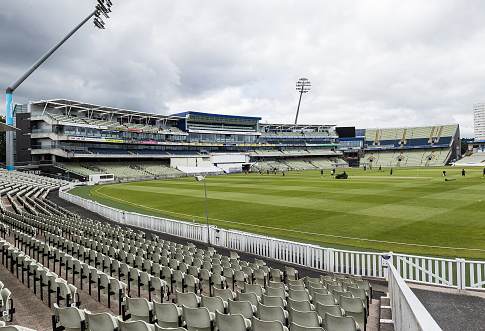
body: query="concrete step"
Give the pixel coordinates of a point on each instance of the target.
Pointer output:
(385, 319)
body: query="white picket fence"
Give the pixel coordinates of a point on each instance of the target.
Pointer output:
(453, 273)
(408, 313)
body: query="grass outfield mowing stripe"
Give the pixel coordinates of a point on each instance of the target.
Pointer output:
(347, 193)
(279, 187)
(300, 206)
(390, 177)
(323, 204)
(318, 204)
(289, 230)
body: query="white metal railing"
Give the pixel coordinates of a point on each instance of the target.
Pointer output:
(453, 273)
(408, 313)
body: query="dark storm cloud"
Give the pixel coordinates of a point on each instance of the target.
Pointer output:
(372, 63)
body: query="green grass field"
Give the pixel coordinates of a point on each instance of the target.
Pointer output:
(413, 211)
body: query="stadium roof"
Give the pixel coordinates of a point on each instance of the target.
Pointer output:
(83, 106)
(188, 113)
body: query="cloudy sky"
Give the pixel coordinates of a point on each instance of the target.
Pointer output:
(372, 63)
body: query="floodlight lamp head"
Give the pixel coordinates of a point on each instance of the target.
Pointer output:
(98, 22)
(103, 7)
(303, 85)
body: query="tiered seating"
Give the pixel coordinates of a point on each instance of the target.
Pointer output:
(7, 308)
(302, 152)
(267, 152)
(122, 170)
(476, 159)
(79, 169)
(306, 163)
(299, 164)
(411, 137)
(322, 163)
(406, 158)
(251, 289)
(265, 166)
(158, 169)
(142, 276)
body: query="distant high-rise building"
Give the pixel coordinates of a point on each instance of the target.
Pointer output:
(479, 121)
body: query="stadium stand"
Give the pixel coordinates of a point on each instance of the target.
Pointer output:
(122, 170)
(410, 147)
(476, 159)
(162, 283)
(83, 139)
(79, 168)
(158, 169)
(307, 163)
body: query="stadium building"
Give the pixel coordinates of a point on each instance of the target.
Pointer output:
(475, 154)
(85, 139)
(411, 147)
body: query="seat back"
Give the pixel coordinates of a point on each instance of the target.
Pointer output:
(139, 308)
(101, 322)
(276, 292)
(231, 322)
(168, 314)
(244, 308)
(251, 297)
(135, 326)
(358, 293)
(295, 282)
(260, 325)
(297, 327)
(5, 296)
(226, 294)
(189, 299)
(299, 305)
(268, 313)
(213, 304)
(305, 318)
(355, 308)
(70, 317)
(273, 301)
(191, 283)
(299, 295)
(297, 287)
(336, 323)
(291, 273)
(324, 299)
(197, 319)
(254, 288)
(340, 294)
(331, 309)
(161, 328)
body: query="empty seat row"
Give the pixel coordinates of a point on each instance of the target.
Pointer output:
(192, 319)
(42, 277)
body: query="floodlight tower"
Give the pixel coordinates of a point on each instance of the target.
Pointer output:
(303, 85)
(102, 9)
